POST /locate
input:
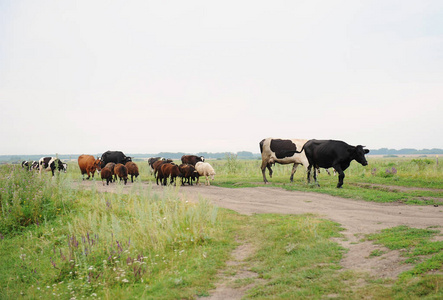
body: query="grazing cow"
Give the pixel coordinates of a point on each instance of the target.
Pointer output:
(106, 173)
(35, 165)
(192, 159)
(157, 165)
(114, 156)
(51, 164)
(88, 165)
(282, 152)
(335, 154)
(189, 173)
(169, 170)
(26, 165)
(111, 166)
(132, 170)
(205, 169)
(152, 160)
(121, 171)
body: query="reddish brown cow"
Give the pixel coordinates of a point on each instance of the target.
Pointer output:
(189, 173)
(169, 170)
(121, 171)
(88, 164)
(157, 165)
(192, 159)
(106, 173)
(132, 170)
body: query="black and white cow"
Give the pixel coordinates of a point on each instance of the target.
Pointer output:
(335, 154)
(116, 157)
(52, 164)
(26, 165)
(35, 165)
(282, 151)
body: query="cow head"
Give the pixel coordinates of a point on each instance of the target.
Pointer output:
(358, 153)
(98, 165)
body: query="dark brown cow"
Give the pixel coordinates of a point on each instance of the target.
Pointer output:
(111, 167)
(132, 170)
(192, 159)
(88, 165)
(106, 173)
(156, 166)
(121, 171)
(189, 173)
(169, 170)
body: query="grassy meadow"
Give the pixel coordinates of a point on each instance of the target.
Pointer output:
(60, 242)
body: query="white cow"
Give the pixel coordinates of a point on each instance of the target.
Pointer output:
(204, 169)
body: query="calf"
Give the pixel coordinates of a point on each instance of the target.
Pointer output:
(192, 159)
(132, 170)
(205, 169)
(26, 165)
(170, 170)
(189, 173)
(121, 171)
(111, 167)
(106, 174)
(51, 164)
(335, 154)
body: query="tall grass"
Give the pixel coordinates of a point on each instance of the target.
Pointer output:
(99, 244)
(28, 198)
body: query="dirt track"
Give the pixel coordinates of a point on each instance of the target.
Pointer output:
(356, 217)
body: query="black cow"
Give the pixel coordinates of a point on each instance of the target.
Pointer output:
(52, 164)
(335, 154)
(114, 156)
(192, 159)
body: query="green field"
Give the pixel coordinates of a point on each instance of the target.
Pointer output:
(60, 242)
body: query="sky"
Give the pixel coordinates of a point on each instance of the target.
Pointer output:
(215, 76)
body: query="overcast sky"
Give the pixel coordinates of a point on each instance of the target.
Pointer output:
(215, 76)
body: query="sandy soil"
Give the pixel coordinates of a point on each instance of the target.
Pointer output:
(356, 217)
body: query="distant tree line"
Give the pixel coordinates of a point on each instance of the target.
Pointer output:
(210, 155)
(405, 151)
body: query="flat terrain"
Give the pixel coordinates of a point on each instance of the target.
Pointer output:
(355, 216)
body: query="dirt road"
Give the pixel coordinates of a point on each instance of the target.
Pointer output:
(356, 217)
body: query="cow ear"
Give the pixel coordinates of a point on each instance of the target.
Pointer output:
(366, 151)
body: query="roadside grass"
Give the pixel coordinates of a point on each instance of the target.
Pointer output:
(425, 279)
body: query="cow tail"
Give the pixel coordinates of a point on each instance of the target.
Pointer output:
(261, 145)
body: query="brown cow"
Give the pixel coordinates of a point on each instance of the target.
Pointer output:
(132, 170)
(156, 166)
(121, 171)
(189, 173)
(88, 164)
(111, 166)
(171, 170)
(192, 159)
(106, 173)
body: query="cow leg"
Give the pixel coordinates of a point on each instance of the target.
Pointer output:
(341, 176)
(294, 168)
(263, 169)
(315, 176)
(309, 173)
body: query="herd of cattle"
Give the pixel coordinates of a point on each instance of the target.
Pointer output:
(113, 165)
(309, 153)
